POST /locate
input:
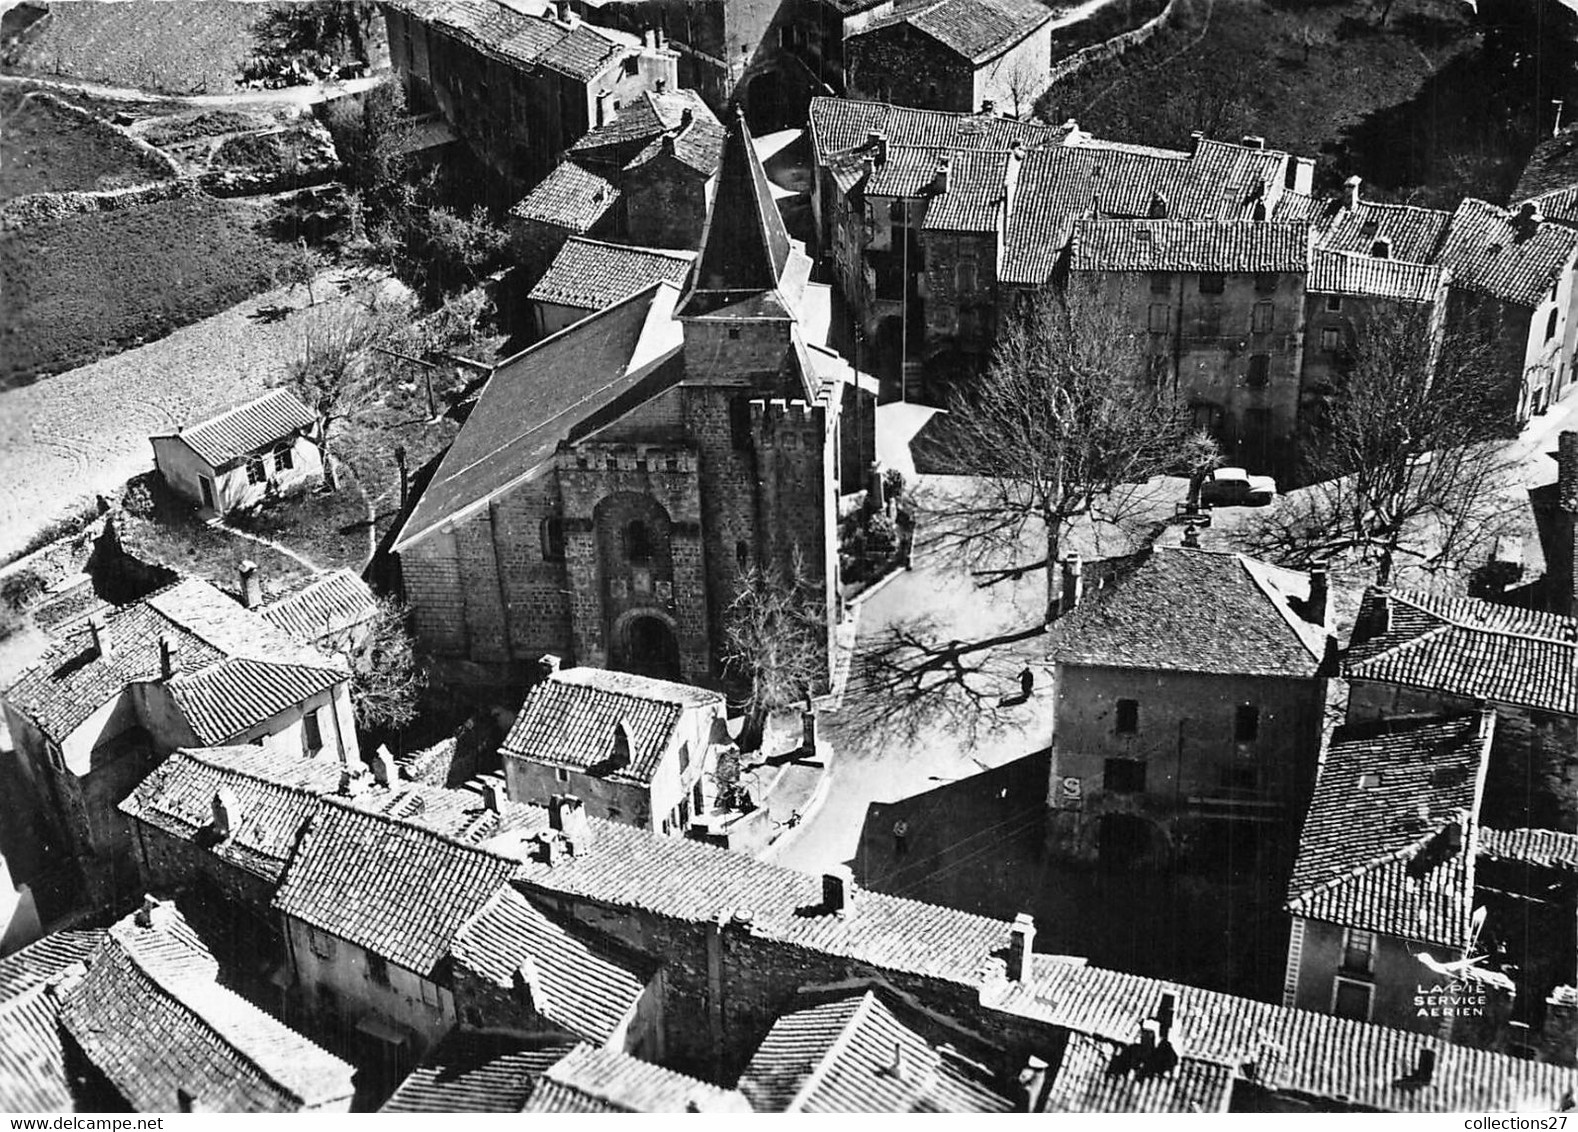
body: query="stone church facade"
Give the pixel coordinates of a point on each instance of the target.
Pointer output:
(616, 480)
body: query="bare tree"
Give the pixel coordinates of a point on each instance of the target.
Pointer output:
(386, 683)
(1064, 424)
(775, 643)
(329, 372)
(1022, 80)
(1404, 453)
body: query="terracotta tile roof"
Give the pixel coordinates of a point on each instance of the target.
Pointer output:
(1552, 167)
(573, 197)
(552, 392)
(698, 147)
(589, 986)
(1372, 853)
(842, 123)
(591, 274)
(504, 32)
(1301, 208)
(1087, 1079)
(693, 882)
(1560, 205)
(977, 30)
(839, 1056)
(1195, 611)
(392, 888)
(571, 720)
(33, 1074)
(236, 670)
(1307, 1055)
(1487, 252)
(43, 959)
(1545, 848)
(588, 1079)
(330, 604)
(1416, 234)
(1473, 649)
(975, 193)
(259, 423)
(1189, 245)
(643, 118)
(272, 793)
(471, 1072)
(149, 1015)
(1348, 273)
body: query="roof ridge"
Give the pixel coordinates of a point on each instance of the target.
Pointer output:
(277, 390)
(1280, 604)
(1355, 872)
(348, 805)
(837, 1046)
(1456, 622)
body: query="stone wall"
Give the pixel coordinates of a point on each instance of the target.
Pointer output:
(896, 64)
(1119, 44)
(665, 205)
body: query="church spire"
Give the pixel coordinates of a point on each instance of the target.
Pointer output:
(745, 248)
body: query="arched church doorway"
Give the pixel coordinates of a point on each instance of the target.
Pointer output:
(647, 647)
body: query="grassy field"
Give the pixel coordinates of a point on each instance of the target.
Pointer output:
(1406, 106)
(87, 285)
(45, 148)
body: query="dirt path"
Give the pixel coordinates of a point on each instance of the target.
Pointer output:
(85, 432)
(241, 100)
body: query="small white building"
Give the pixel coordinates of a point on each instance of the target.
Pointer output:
(233, 459)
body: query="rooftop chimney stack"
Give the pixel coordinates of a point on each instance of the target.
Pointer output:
(1021, 946)
(155, 913)
(251, 584)
(567, 815)
(939, 182)
(899, 1066)
(838, 890)
(385, 770)
(226, 809)
(1166, 1015)
(1259, 213)
(493, 795)
(662, 85)
(1254, 141)
(877, 146)
(1426, 1067)
(1350, 190)
(1382, 248)
(1150, 1035)
(1191, 537)
(1320, 595)
(101, 637)
(623, 745)
(1381, 614)
(566, 13)
(1073, 591)
(528, 986)
(1195, 138)
(1158, 207)
(1032, 1080)
(1529, 219)
(169, 662)
(988, 106)
(547, 665)
(687, 118)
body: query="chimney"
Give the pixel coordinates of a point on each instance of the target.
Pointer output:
(1021, 945)
(1195, 138)
(101, 637)
(877, 143)
(566, 13)
(1559, 1035)
(1567, 471)
(1150, 1035)
(1073, 591)
(567, 815)
(1528, 220)
(1382, 248)
(939, 181)
(662, 85)
(169, 662)
(808, 729)
(1350, 190)
(687, 117)
(528, 987)
(1425, 1068)
(1320, 594)
(1191, 537)
(547, 665)
(1166, 1014)
(988, 106)
(493, 795)
(1379, 622)
(1452, 833)
(251, 584)
(898, 1067)
(604, 106)
(623, 746)
(1158, 207)
(838, 890)
(155, 913)
(1258, 212)
(1254, 141)
(385, 772)
(1032, 1080)
(649, 39)
(351, 783)
(226, 808)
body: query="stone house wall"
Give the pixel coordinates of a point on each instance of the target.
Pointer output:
(665, 204)
(1396, 979)
(901, 65)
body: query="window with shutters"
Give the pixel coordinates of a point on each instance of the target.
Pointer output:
(1127, 720)
(1263, 318)
(1160, 316)
(1259, 370)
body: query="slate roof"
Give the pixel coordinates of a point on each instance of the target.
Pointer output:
(258, 424)
(571, 719)
(572, 197)
(1560, 205)
(1370, 853)
(149, 1015)
(745, 246)
(1416, 234)
(273, 793)
(1553, 166)
(1195, 611)
(975, 193)
(1318, 1056)
(1086, 1081)
(838, 1056)
(976, 30)
(1474, 649)
(1544, 848)
(33, 1074)
(554, 391)
(1486, 253)
(591, 274)
(392, 888)
(588, 1079)
(589, 986)
(472, 1072)
(236, 670)
(505, 33)
(1189, 245)
(332, 603)
(1347, 273)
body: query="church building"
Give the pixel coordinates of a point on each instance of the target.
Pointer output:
(616, 480)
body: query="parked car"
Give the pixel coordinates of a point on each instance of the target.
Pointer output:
(1235, 487)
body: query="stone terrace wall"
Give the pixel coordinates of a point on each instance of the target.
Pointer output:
(1116, 46)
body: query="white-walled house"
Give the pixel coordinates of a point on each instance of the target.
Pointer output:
(234, 459)
(185, 667)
